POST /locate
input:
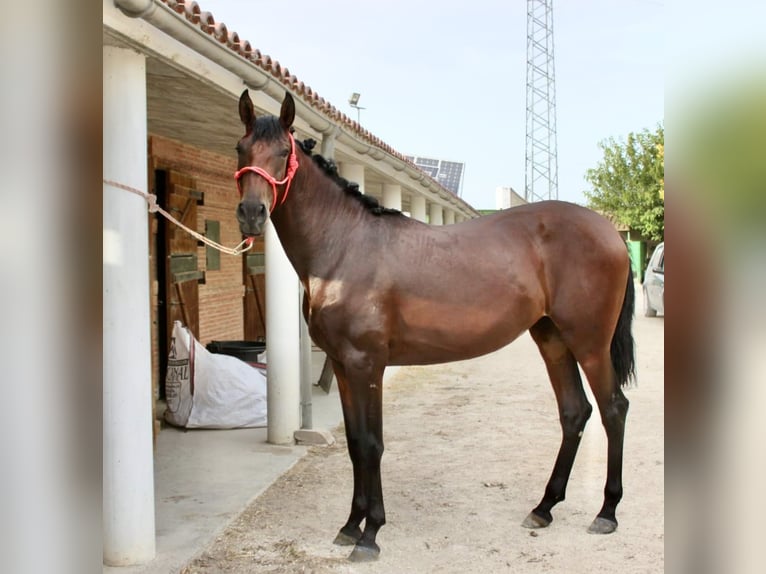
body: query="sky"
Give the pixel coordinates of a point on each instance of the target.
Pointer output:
(448, 79)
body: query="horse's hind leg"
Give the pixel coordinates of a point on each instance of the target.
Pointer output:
(613, 407)
(574, 411)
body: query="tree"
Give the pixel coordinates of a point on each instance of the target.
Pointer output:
(628, 185)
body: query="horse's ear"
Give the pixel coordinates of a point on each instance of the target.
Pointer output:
(246, 111)
(287, 114)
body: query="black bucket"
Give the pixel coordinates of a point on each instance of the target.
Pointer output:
(247, 351)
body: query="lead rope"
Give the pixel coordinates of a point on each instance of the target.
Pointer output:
(151, 199)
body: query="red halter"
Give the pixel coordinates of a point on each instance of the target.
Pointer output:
(292, 167)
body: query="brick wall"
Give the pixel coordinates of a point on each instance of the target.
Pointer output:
(220, 298)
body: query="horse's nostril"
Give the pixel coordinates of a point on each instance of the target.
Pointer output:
(251, 213)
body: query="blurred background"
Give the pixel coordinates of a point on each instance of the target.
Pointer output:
(716, 226)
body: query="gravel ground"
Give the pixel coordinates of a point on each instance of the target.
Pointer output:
(469, 448)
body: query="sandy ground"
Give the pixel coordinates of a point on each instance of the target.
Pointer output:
(469, 448)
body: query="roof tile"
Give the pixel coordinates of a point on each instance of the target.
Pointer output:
(207, 22)
(192, 12)
(221, 33)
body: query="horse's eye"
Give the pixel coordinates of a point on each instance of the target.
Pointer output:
(284, 153)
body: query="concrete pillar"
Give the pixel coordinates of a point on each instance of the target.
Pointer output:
(449, 217)
(435, 212)
(354, 172)
(307, 418)
(328, 143)
(128, 463)
(282, 342)
(392, 196)
(418, 208)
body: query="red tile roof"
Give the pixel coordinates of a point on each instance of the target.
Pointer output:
(206, 22)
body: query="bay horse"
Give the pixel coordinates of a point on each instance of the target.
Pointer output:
(384, 289)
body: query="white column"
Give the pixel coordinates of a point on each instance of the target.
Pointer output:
(128, 464)
(436, 214)
(392, 196)
(449, 217)
(307, 418)
(354, 172)
(282, 342)
(418, 207)
(328, 143)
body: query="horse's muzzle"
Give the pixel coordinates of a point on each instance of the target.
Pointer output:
(252, 216)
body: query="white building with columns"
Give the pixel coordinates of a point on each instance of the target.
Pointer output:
(171, 79)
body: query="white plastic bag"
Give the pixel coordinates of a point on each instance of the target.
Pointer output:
(213, 391)
(179, 379)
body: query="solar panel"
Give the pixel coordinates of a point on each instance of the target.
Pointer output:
(447, 173)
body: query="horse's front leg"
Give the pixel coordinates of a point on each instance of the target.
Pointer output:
(361, 396)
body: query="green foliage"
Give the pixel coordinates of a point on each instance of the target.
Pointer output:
(628, 184)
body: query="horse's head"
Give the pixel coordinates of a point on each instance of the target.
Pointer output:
(266, 163)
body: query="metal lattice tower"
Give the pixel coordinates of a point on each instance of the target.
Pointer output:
(542, 172)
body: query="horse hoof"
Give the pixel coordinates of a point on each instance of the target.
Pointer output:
(343, 539)
(364, 554)
(535, 521)
(602, 526)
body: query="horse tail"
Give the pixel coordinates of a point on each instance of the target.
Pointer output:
(622, 349)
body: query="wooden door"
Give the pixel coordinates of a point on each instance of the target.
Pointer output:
(254, 273)
(178, 273)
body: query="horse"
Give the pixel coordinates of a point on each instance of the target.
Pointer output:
(384, 289)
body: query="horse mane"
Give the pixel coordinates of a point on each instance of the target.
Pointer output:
(330, 168)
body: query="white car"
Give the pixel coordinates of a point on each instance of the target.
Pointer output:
(654, 283)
